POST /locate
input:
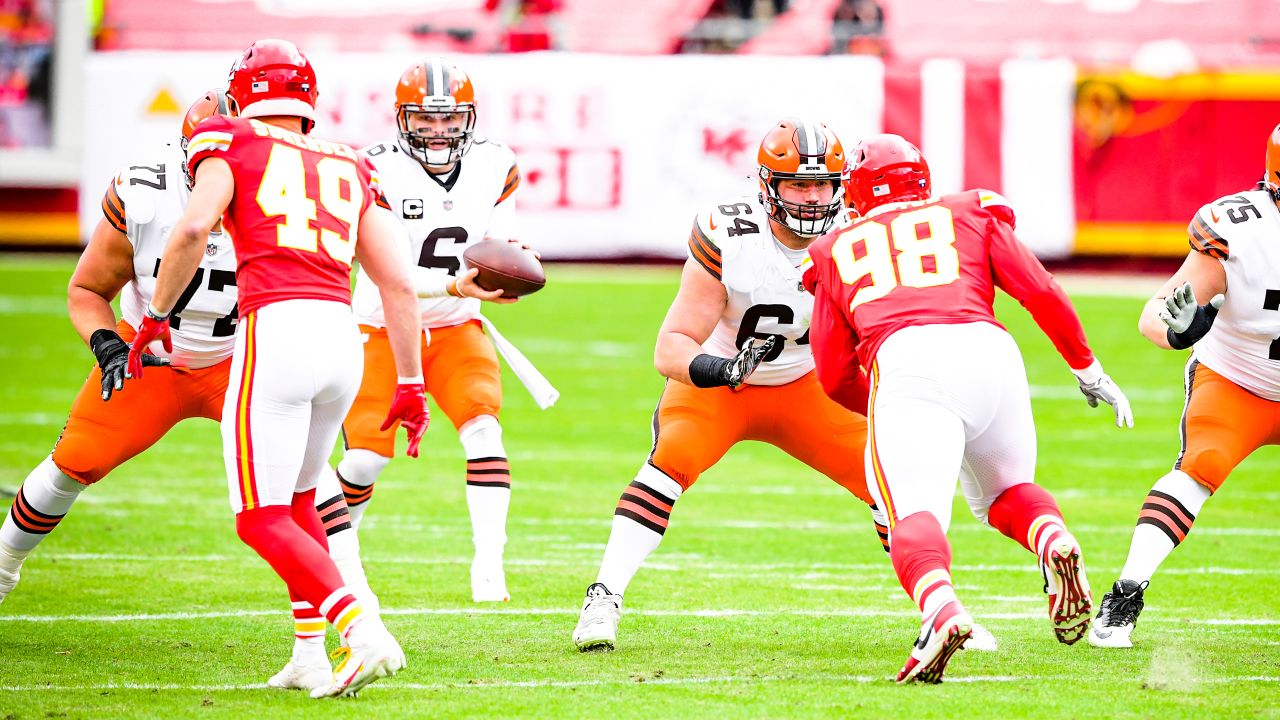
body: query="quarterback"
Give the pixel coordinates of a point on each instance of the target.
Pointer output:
(910, 284)
(735, 351)
(1232, 379)
(141, 203)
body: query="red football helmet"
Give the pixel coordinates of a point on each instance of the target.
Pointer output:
(884, 169)
(797, 149)
(1271, 180)
(436, 86)
(273, 77)
(213, 103)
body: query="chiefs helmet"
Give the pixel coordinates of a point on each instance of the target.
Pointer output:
(1271, 181)
(801, 149)
(436, 86)
(273, 77)
(213, 103)
(884, 169)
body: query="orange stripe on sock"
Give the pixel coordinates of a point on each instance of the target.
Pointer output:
(643, 512)
(1163, 520)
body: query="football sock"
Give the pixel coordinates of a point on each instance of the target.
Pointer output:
(921, 558)
(488, 484)
(344, 543)
(42, 501)
(308, 631)
(299, 558)
(882, 526)
(1028, 514)
(639, 522)
(357, 472)
(1163, 523)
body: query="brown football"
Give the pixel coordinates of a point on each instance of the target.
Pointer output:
(505, 266)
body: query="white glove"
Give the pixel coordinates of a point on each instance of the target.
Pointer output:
(1097, 385)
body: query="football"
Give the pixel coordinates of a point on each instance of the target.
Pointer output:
(505, 266)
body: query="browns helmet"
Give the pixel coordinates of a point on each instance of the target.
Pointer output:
(213, 103)
(436, 86)
(1271, 180)
(273, 77)
(884, 169)
(798, 149)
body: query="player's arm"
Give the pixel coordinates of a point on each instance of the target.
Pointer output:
(1173, 319)
(835, 353)
(1019, 272)
(384, 259)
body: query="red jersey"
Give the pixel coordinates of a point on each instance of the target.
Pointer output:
(925, 263)
(295, 211)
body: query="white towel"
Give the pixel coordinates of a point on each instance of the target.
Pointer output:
(539, 388)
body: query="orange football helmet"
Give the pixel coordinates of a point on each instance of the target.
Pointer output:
(436, 86)
(1271, 180)
(213, 103)
(801, 149)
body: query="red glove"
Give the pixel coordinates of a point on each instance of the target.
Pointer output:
(409, 408)
(150, 329)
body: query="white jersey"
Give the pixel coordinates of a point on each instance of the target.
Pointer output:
(203, 322)
(734, 243)
(1243, 232)
(443, 216)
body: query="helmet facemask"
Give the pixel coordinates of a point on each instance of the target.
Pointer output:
(457, 138)
(803, 219)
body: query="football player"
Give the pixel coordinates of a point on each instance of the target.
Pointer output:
(450, 188)
(295, 206)
(735, 350)
(906, 290)
(122, 258)
(1232, 379)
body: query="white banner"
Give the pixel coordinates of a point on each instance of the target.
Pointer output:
(617, 154)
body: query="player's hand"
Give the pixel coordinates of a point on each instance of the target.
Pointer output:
(150, 329)
(409, 407)
(465, 286)
(1098, 386)
(747, 360)
(113, 360)
(1187, 320)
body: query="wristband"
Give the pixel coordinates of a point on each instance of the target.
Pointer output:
(706, 371)
(415, 380)
(1179, 341)
(100, 341)
(154, 315)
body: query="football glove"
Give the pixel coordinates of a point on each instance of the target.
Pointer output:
(409, 407)
(153, 327)
(1188, 321)
(113, 359)
(747, 360)
(1098, 386)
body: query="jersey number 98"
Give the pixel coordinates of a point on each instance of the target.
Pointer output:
(909, 268)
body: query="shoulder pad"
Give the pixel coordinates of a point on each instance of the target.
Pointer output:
(139, 186)
(1205, 231)
(996, 204)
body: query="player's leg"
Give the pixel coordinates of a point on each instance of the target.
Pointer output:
(98, 437)
(463, 377)
(998, 479)
(692, 429)
(1221, 425)
(814, 429)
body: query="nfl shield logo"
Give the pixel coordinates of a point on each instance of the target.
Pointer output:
(210, 250)
(448, 204)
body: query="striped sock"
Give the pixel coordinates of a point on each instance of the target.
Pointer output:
(308, 630)
(334, 515)
(342, 610)
(1028, 514)
(356, 496)
(1167, 514)
(645, 506)
(41, 503)
(882, 526)
(639, 523)
(921, 558)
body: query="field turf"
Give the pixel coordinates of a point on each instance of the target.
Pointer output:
(770, 596)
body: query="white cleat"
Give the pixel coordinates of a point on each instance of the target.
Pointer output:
(10, 565)
(1070, 600)
(373, 654)
(488, 581)
(8, 581)
(1118, 615)
(941, 635)
(981, 639)
(598, 624)
(299, 675)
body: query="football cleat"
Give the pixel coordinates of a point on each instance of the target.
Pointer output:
(1070, 600)
(303, 675)
(598, 625)
(373, 653)
(941, 635)
(1118, 614)
(8, 581)
(488, 582)
(10, 565)
(981, 639)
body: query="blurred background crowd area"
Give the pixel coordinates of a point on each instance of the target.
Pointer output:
(1107, 122)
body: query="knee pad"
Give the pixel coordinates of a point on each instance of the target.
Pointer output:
(481, 437)
(1209, 467)
(361, 467)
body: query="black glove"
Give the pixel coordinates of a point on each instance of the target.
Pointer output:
(711, 371)
(113, 358)
(1187, 320)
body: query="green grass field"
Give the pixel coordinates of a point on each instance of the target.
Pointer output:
(770, 596)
